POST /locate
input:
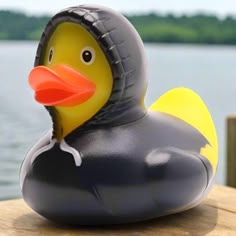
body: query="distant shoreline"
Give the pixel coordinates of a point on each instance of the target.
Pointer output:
(198, 29)
(185, 44)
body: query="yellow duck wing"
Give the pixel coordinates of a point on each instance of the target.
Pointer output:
(186, 105)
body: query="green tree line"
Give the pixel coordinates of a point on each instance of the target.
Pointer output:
(153, 27)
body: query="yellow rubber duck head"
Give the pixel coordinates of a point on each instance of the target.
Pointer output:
(89, 70)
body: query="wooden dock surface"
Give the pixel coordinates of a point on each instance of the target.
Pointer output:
(215, 216)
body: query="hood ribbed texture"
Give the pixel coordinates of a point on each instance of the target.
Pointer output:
(125, 53)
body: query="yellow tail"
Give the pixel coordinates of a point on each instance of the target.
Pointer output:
(188, 106)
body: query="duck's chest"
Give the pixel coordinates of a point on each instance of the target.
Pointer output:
(108, 161)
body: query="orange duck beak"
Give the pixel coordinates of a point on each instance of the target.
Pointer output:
(60, 85)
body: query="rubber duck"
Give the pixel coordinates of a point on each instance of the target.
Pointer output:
(108, 159)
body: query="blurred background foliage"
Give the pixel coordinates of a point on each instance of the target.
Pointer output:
(153, 27)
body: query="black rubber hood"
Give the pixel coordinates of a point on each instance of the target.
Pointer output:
(125, 53)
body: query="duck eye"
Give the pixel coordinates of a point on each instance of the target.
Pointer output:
(87, 55)
(50, 56)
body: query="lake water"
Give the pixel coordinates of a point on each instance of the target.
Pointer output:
(209, 70)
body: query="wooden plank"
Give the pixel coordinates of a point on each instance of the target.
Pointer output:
(225, 197)
(231, 151)
(215, 216)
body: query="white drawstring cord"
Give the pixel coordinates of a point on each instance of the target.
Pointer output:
(66, 148)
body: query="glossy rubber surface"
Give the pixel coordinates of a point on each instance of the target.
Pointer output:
(128, 173)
